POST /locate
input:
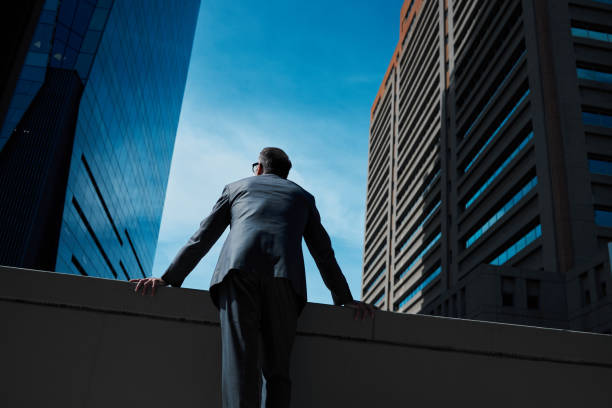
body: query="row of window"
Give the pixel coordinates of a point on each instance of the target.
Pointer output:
(501, 125)
(504, 210)
(593, 35)
(401, 218)
(419, 288)
(594, 75)
(597, 119)
(499, 170)
(420, 256)
(501, 85)
(518, 246)
(374, 280)
(600, 167)
(603, 218)
(419, 227)
(379, 299)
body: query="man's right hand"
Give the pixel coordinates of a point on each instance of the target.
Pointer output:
(362, 309)
(148, 283)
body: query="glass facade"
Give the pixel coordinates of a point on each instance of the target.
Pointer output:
(596, 119)
(379, 299)
(33, 71)
(124, 139)
(518, 246)
(496, 93)
(420, 226)
(374, 280)
(593, 75)
(498, 171)
(434, 178)
(419, 288)
(600, 167)
(496, 131)
(420, 256)
(603, 218)
(591, 34)
(503, 211)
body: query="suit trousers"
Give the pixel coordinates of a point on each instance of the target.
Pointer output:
(257, 313)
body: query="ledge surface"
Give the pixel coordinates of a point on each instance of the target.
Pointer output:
(88, 342)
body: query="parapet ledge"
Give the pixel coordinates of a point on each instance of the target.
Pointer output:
(394, 329)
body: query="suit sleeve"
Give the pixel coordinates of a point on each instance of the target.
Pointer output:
(320, 247)
(200, 242)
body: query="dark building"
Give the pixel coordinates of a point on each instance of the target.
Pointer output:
(490, 164)
(88, 133)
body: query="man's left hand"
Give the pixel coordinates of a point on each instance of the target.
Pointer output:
(148, 283)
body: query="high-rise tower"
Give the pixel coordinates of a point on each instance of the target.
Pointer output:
(87, 137)
(490, 164)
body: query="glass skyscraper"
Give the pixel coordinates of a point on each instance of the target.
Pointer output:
(88, 136)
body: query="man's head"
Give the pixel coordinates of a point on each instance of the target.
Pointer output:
(273, 160)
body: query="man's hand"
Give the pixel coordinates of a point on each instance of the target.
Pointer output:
(362, 309)
(148, 283)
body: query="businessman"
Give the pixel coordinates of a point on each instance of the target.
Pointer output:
(259, 284)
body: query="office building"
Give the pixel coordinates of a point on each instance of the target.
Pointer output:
(88, 132)
(489, 190)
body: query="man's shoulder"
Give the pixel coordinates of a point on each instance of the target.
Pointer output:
(269, 180)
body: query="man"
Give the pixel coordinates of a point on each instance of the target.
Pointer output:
(259, 284)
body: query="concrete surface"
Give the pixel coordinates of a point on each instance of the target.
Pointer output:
(72, 341)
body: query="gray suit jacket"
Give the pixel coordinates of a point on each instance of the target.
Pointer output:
(268, 216)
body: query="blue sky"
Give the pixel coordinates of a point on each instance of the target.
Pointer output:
(297, 75)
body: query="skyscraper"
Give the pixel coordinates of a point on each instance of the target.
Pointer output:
(88, 135)
(490, 164)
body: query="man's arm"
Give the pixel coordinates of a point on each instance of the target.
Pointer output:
(200, 242)
(319, 245)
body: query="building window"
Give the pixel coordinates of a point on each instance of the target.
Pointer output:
(496, 131)
(100, 197)
(600, 167)
(507, 291)
(597, 119)
(78, 266)
(533, 294)
(594, 75)
(518, 246)
(503, 211)
(419, 227)
(419, 288)
(499, 170)
(379, 299)
(462, 308)
(419, 256)
(376, 256)
(374, 280)
(495, 93)
(93, 235)
(591, 34)
(603, 218)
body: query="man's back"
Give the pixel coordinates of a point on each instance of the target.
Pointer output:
(268, 215)
(268, 218)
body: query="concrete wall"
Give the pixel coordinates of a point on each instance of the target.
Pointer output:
(70, 341)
